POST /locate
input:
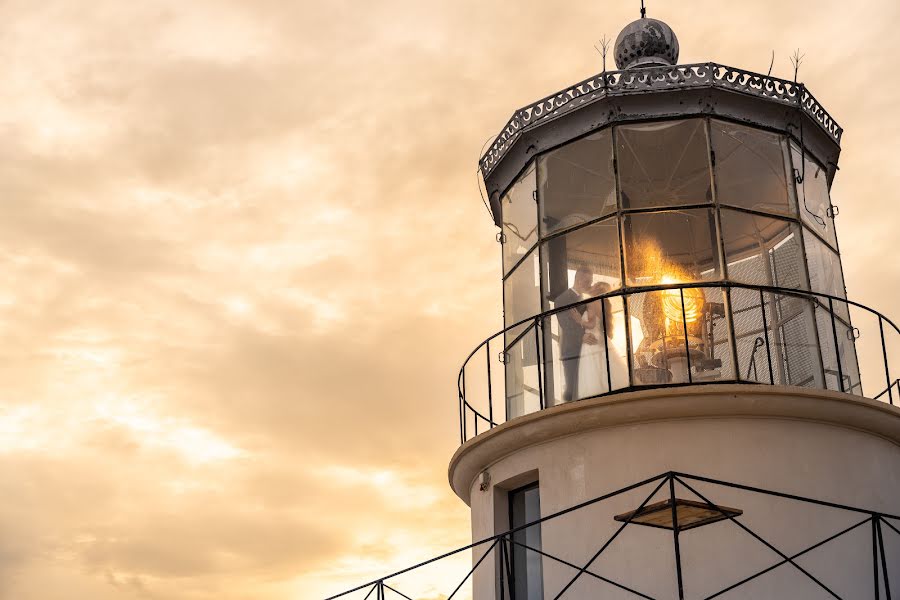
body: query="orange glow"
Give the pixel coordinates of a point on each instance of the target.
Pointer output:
(672, 303)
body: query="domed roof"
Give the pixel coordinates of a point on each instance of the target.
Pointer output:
(646, 43)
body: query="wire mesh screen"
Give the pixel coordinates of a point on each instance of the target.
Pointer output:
(775, 338)
(677, 335)
(838, 343)
(751, 336)
(796, 349)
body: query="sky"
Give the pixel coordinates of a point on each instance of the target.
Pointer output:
(243, 255)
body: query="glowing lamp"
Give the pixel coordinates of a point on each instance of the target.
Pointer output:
(677, 341)
(675, 311)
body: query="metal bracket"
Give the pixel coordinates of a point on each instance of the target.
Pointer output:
(501, 237)
(832, 211)
(503, 357)
(853, 334)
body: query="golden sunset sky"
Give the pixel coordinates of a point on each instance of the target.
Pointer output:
(243, 255)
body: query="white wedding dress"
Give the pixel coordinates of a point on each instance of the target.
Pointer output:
(592, 377)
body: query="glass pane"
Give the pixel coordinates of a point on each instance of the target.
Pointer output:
(522, 383)
(521, 291)
(762, 250)
(525, 507)
(775, 338)
(755, 342)
(752, 168)
(582, 264)
(671, 247)
(833, 330)
(519, 211)
(825, 274)
(585, 351)
(812, 195)
(664, 164)
(795, 351)
(660, 351)
(577, 183)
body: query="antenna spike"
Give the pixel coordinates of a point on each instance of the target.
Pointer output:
(643, 10)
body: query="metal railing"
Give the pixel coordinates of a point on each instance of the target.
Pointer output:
(755, 334)
(646, 79)
(571, 568)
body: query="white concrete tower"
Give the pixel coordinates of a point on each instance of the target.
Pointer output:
(680, 363)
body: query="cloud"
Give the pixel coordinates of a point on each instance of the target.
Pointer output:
(242, 256)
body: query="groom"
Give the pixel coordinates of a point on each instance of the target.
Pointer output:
(571, 331)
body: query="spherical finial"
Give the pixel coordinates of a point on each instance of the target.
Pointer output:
(646, 43)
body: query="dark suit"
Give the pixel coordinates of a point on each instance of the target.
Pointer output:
(570, 336)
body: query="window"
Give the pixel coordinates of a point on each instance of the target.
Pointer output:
(775, 336)
(762, 250)
(671, 247)
(825, 274)
(812, 196)
(592, 250)
(664, 164)
(577, 183)
(752, 168)
(521, 291)
(662, 353)
(526, 574)
(522, 299)
(519, 211)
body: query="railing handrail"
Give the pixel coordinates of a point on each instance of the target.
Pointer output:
(629, 81)
(533, 320)
(895, 383)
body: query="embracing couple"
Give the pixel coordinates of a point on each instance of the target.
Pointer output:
(581, 345)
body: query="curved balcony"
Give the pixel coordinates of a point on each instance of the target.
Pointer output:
(675, 335)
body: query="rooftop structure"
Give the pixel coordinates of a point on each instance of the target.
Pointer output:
(674, 303)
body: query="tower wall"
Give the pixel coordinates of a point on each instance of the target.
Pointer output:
(818, 444)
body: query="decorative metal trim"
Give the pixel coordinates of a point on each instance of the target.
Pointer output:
(654, 79)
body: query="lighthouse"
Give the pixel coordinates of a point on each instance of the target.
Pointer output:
(683, 403)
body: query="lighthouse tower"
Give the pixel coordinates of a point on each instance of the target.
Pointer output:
(683, 403)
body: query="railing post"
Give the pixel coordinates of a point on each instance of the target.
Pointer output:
(463, 378)
(887, 369)
(729, 323)
(551, 386)
(687, 348)
(629, 359)
(762, 305)
(605, 344)
(537, 361)
(462, 435)
(837, 348)
(487, 356)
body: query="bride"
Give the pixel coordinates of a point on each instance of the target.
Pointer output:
(592, 362)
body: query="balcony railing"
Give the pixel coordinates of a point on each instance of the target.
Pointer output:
(649, 79)
(680, 334)
(741, 551)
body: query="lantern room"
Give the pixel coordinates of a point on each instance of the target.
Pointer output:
(668, 225)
